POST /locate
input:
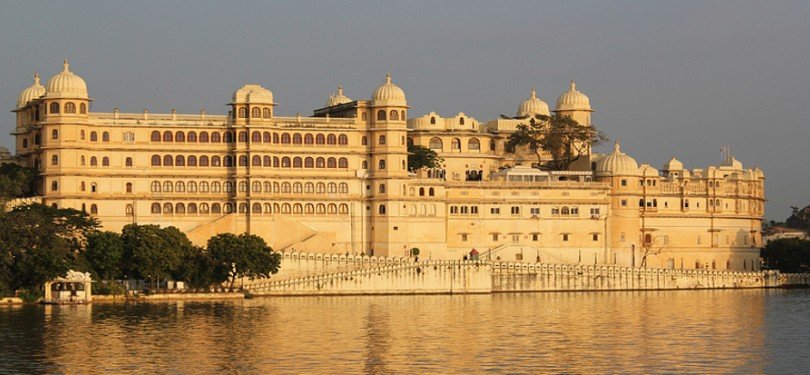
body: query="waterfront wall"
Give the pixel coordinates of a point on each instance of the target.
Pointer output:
(428, 277)
(541, 277)
(296, 265)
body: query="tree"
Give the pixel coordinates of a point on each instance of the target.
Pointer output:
(245, 255)
(651, 246)
(422, 157)
(799, 218)
(105, 254)
(788, 255)
(17, 181)
(154, 253)
(39, 243)
(560, 136)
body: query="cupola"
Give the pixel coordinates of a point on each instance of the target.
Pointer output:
(338, 98)
(617, 163)
(254, 94)
(66, 85)
(532, 106)
(573, 100)
(388, 94)
(30, 93)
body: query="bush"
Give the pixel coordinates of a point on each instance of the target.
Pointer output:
(108, 287)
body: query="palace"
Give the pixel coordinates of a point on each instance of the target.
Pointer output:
(338, 182)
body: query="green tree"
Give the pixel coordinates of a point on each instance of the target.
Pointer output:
(39, 243)
(153, 253)
(422, 157)
(245, 255)
(17, 181)
(561, 137)
(105, 254)
(799, 218)
(788, 255)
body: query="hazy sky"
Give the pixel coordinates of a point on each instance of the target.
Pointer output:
(672, 78)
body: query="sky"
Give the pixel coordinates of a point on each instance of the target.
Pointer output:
(666, 78)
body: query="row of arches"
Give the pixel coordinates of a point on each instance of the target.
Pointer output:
(242, 186)
(243, 161)
(436, 143)
(255, 137)
(68, 108)
(255, 112)
(392, 115)
(255, 208)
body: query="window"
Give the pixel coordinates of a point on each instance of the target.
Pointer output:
(455, 144)
(331, 139)
(380, 114)
(256, 112)
(595, 237)
(129, 187)
(54, 108)
(266, 113)
(105, 137)
(382, 140)
(435, 143)
(93, 161)
(168, 161)
(93, 137)
(381, 209)
(594, 211)
(167, 136)
(105, 162)
(129, 211)
(515, 210)
(54, 160)
(394, 115)
(381, 189)
(83, 108)
(55, 134)
(93, 209)
(155, 136)
(495, 211)
(494, 236)
(535, 237)
(463, 237)
(343, 163)
(156, 208)
(473, 144)
(179, 137)
(382, 165)
(364, 141)
(242, 112)
(343, 139)
(535, 211)
(624, 182)
(431, 192)
(54, 186)
(565, 237)
(129, 137)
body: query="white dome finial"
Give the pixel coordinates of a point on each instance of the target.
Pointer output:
(66, 65)
(340, 90)
(617, 147)
(573, 85)
(388, 78)
(36, 78)
(534, 93)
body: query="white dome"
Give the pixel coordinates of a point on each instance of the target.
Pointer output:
(673, 165)
(253, 93)
(66, 85)
(533, 106)
(338, 98)
(30, 93)
(617, 163)
(388, 94)
(573, 100)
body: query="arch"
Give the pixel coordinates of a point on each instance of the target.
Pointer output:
(203, 186)
(256, 208)
(93, 161)
(343, 188)
(393, 115)
(455, 144)
(296, 139)
(364, 141)
(203, 137)
(343, 139)
(155, 187)
(309, 208)
(285, 187)
(435, 143)
(155, 136)
(276, 162)
(381, 189)
(256, 112)
(180, 161)
(168, 209)
(54, 134)
(180, 209)
(297, 188)
(331, 163)
(320, 139)
(331, 139)
(308, 139)
(242, 111)
(203, 160)
(267, 161)
(216, 208)
(343, 163)
(256, 161)
(168, 136)
(54, 108)
(381, 209)
(266, 137)
(192, 187)
(344, 208)
(243, 136)
(331, 208)
(243, 207)
(54, 160)
(168, 161)
(243, 160)
(432, 120)
(216, 137)
(105, 161)
(309, 162)
(216, 187)
(204, 208)
(381, 164)
(168, 187)
(128, 162)
(156, 208)
(268, 208)
(180, 187)
(266, 113)
(381, 140)
(431, 192)
(473, 144)
(320, 162)
(285, 162)
(331, 188)
(179, 136)
(381, 115)
(309, 188)
(320, 208)
(298, 209)
(191, 161)
(320, 188)
(129, 210)
(192, 137)
(93, 138)
(285, 138)
(268, 187)
(83, 108)
(227, 161)
(192, 208)
(228, 137)
(227, 187)
(297, 163)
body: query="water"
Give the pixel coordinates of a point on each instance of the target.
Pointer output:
(720, 331)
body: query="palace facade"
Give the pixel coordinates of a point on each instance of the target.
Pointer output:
(338, 182)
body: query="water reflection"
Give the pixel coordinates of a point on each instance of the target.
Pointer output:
(675, 331)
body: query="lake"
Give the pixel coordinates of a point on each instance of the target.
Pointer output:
(708, 331)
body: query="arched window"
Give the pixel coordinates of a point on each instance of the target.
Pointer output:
(257, 208)
(81, 135)
(309, 162)
(394, 115)
(381, 189)
(285, 187)
(331, 139)
(93, 137)
(381, 165)
(461, 120)
(276, 162)
(421, 191)
(266, 137)
(285, 138)
(83, 108)
(192, 137)
(93, 161)
(54, 134)
(129, 210)
(203, 186)
(431, 192)
(180, 208)
(275, 138)
(331, 163)
(381, 210)
(179, 137)
(216, 137)
(435, 143)
(242, 112)
(266, 113)
(256, 112)
(192, 187)
(343, 188)
(54, 160)
(243, 136)
(180, 161)
(168, 209)
(228, 186)
(216, 208)
(296, 139)
(192, 208)
(155, 160)
(257, 187)
(285, 162)
(268, 187)
(191, 161)
(343, 139)
(203, 137)
(309, 139)
(54, 186)
(473, 144)
(381, 115)
(180, 187)
(204, 208)
(455, 144)
(364, 141)
(343, 163)
(297, 162)
(432, 120)
(309, 188)
(332, 188)
(320, 139)
(256, 137)
(167, 136)
(105, 162)
(382, 140)
(229, 137)
(128, 162)
(54, 108)
(320, 188)
(256, 161)
(25, 143)
(168, 187)
(155, 187)
(320, 163)
(105, 137)
(297, 188)
(156, 208)
(243, 160)
(168, 161)
(267, 161)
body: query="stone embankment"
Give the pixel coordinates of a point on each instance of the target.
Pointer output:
(319, 274)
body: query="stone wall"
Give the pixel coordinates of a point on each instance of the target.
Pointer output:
(302, 264)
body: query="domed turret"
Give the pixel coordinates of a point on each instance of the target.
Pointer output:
(30, 93)
(617, 163)
(338, 98)
(573, 100)
(254, 94)
(532, 106)
(66, 85)
(673, 165)
(388, 94)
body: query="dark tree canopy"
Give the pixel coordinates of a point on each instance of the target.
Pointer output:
(422, 157)
(154, 253)
(788, 255)
(799, 218)
(245, 255)
(39, 243)
(104, 255)
(17, 181)
(560, 136)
